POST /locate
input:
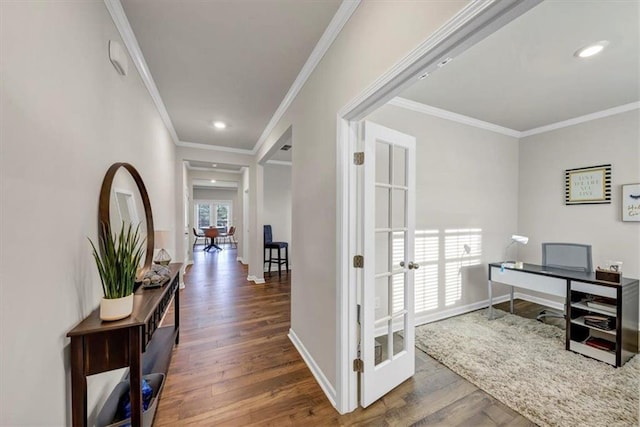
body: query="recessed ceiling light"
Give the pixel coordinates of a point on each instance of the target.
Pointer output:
(219, 125)
(215, 165)
(444, 62)
(592, 49)
(213, 180)
(423, 76)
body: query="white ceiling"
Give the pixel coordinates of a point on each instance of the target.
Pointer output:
(525, 75)
(220, 167)
(226, 60)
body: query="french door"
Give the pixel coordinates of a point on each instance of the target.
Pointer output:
(388, 229)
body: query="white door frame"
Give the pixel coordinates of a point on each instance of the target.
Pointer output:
(470, 25)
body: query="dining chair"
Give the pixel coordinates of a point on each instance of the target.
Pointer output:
(198, 236)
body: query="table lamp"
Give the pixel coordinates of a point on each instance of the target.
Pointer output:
(516, 239)
(161, 239)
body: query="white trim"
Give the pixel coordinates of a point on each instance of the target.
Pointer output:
(460, 118)
(473, 22)
(256, 280)
(422, 318)
(240, 260)
(211, 169)
(279, 162)
(582, 119)
(128, 37)
(338, 21)
(215, 148)
(322, 380)
(454, 117)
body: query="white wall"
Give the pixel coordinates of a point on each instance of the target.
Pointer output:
(544, 217)
(375, 38)
(466, 178)
(66, 117)
(277, 204)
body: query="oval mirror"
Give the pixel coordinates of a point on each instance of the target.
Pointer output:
(123, 201)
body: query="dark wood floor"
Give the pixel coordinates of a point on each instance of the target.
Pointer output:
(235, 365)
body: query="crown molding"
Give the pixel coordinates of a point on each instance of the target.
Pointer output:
(455, 117)
(128, 37)
(459, 118)
(213, 170)
(582, 119)
(215, 148)
(338, 21)
(279, 163)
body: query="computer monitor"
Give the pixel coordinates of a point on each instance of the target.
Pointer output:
(567, 256)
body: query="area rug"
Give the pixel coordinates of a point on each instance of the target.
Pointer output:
(523, 363)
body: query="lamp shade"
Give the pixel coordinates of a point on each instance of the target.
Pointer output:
(520, 239)
(161, 239)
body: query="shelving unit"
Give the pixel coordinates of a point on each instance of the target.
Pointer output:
(623, 297)
(137, 342)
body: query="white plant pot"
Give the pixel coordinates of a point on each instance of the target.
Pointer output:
(116, 308)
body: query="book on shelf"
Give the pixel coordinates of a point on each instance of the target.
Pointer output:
(601, 322)
(601, 305)
(600, 343)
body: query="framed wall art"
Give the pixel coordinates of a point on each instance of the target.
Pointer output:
(587, 186)
(631, 202)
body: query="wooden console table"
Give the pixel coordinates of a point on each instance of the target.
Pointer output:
(98, 346)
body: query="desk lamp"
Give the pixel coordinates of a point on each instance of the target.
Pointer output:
(516, 239)
(161, 239)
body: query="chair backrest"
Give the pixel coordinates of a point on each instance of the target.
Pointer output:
(211, 232)
(268, 236)
(232, 231)
(567, 256)
(195, 233)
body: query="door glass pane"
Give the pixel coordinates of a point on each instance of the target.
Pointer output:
(382, 163)
(398, 250)
(399, 162)
(222, 218)
(382, 305)
(382, 207)
(382, 252)
(380, 352)
(398, 213)
(397, 292)
(398, 334)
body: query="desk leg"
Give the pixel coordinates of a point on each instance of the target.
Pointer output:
(135, 376)
(511, 299)
(490, 314)
(78, 383)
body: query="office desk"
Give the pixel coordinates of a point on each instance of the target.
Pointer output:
(575, 288)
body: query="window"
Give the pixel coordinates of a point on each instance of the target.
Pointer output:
(213, 213)
(438, 281)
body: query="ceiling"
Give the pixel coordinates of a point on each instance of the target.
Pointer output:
(232, 61)
(526, 75)
(219, 167)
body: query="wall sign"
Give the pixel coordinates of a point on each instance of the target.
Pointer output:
(585, 186)
(631, 202)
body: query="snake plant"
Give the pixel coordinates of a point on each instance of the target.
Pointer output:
(118, 259)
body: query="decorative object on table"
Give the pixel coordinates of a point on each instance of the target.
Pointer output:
(533, 374)
(117, 260)
(631, 202)
(515, 239)
(156, 276)
(161, 241)
(587, 186)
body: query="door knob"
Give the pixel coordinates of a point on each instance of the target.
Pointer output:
(412, 265)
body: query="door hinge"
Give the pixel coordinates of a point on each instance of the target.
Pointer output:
(358, 158)
(358, 261)
(358, 365)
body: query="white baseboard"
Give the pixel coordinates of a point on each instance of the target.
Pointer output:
(423, 318)
(256, 280)
(240, 260)
(325, 385)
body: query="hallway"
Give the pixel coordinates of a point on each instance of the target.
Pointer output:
(235, 365)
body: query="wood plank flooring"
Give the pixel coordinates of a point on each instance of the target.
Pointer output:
(235, 366)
